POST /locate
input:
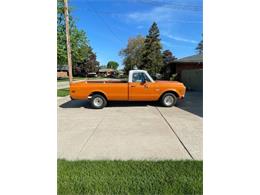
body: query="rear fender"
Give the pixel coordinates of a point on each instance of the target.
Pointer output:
(97, 92)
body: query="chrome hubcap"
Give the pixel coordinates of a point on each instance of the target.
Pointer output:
(98, 102)
(168, 100)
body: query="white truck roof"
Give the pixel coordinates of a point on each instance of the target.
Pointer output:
(131, 72)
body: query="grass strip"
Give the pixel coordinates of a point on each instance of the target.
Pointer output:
(130, 177)
(63, 92)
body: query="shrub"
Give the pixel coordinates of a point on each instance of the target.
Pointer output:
(174, 77)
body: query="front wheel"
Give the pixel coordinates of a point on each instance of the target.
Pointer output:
(98, 101)
(168, 100)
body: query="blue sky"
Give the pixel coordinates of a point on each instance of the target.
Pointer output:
(110, 23)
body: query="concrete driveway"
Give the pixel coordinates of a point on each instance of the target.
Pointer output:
(123, 130)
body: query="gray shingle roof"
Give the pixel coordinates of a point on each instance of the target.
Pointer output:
(194, 58)
(62, 67)
(106, 70)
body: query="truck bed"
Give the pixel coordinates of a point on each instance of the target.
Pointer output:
(106, 81)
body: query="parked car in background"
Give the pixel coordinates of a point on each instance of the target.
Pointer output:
(91, 74)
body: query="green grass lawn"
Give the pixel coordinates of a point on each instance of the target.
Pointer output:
(63, 92)
(130, 177)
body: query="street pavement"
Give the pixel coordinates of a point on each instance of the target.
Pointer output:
(130, 131)
(62, 84)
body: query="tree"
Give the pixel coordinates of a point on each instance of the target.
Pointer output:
(90, 64)
(112, 64)
(61, 34)
(152, 59)
(80, 49)
(132, 53)
(199, 47)
(168, 56)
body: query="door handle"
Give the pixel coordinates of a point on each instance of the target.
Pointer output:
(132, 86)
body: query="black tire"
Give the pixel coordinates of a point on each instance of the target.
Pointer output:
(98, 101)
(172, 100)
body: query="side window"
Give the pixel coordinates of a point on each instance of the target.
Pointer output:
(137, 77)
(140, 76)
(146, 77)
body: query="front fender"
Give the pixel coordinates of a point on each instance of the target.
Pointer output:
(171, 90)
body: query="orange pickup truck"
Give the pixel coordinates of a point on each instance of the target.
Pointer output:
(139, 87)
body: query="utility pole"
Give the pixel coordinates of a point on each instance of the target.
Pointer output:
(66, 13)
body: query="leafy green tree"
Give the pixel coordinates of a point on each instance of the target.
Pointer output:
(152, 59)
(90, 64)
(80, 49)
(133, 53)
(61, 34)
(112, 64)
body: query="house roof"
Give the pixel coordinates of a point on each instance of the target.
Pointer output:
(106, 70)
(193, 58)
(62, 67)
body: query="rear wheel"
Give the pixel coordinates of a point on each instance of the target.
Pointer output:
(98, 101)
(168, 100)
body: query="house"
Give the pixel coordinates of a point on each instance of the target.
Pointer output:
(186, 63)
(121, 73)
(188, 70)
(62, 71)
(107, 72)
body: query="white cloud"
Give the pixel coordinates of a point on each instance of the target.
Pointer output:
(185, 40)
(167, 44)
(166, 19)
(161, 13)
(178, 38)
(140, 27)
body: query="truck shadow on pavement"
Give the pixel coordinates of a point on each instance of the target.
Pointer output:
(86, 104)
(193, 103)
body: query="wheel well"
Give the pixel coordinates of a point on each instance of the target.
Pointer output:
(99, 93)
(173, 92)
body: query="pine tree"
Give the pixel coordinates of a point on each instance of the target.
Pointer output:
(199, 47)
(152, 60)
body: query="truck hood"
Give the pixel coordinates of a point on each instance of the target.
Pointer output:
(176, 82)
